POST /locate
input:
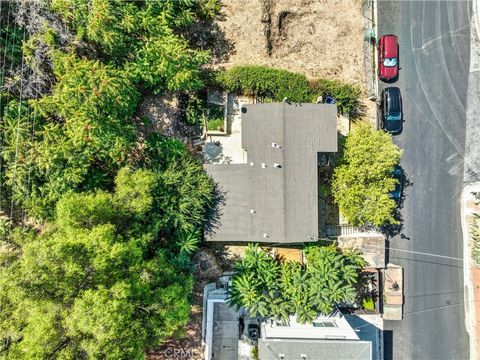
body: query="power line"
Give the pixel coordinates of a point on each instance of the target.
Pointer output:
(426, 254)
(373, 247)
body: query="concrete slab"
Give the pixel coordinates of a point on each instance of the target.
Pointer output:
(227, 149)
(371, 245)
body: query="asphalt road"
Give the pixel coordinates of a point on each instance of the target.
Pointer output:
(434, 40)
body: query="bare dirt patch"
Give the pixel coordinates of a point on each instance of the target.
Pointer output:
(320, 38)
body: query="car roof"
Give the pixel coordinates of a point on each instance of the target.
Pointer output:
(394, 99)
(397, 170)
(390, 45)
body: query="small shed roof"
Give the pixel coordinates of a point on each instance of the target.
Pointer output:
(225, 332)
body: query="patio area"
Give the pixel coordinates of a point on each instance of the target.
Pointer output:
(227, 149)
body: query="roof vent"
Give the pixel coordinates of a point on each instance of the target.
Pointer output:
(252, 163)
(276, 165)
(303, 356)
(265, 235)
(264, 165)
(281, 356)
(275, 145)
(252, 211)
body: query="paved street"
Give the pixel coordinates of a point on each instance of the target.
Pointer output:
(434, 40)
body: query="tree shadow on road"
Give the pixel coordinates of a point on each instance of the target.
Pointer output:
(392, 230)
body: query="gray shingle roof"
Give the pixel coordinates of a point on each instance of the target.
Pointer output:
(315, 349)
(225, 332)
(284, 199)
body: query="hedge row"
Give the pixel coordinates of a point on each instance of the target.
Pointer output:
(346, 95)
(269, 83)
(276, 84)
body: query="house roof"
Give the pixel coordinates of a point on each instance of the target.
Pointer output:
(225, 332)
(274, 196)
(314, 349)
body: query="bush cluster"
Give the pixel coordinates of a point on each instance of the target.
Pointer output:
(272, 84)
(346, 95)
(475, 230)
(269, 83)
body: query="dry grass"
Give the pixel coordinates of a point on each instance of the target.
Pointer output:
(320, 38)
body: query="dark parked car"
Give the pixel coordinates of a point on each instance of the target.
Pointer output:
(392, 113)
(396, 194)
(388, 57)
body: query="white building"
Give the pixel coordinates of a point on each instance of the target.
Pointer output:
(327, 337)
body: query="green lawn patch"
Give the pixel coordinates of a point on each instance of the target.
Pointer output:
(215, 117)
(215, 124)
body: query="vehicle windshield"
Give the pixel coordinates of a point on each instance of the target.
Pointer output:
(390, 62)
(394, 117)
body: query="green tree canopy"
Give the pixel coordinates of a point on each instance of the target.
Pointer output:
(363, 177)
(106, 272)
(268, 287)
(74, 139)
(101, 280)
(144, 37)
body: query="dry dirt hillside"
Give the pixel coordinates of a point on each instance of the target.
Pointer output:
(316, 37)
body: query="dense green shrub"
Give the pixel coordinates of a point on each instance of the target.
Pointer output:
(276, 84)
(272, 84)
(346, 95)
(194, 108)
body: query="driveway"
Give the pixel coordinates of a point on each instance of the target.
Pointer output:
(434, 40)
